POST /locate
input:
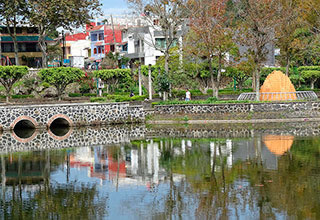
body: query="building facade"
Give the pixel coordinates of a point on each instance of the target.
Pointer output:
(104, 39)
(28, 48)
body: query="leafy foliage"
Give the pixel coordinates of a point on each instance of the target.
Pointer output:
(60, 77)
(162, 83)
(311, 73)
(119, 78)
(10, 75)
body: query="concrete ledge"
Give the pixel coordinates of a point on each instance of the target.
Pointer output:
(233, 121)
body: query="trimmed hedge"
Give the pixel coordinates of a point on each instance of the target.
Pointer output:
(98, 99)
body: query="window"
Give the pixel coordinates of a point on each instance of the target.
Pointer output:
(101, 36)
(7, 47)
(125, 47)
(99, 50)
(32, 30)
(95, 51)
(112, 48)
(161, 43)
(4, 30)
(94, 37)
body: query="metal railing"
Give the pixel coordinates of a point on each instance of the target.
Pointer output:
(279, 96)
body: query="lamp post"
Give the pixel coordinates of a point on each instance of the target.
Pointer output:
(63, 48)
(0, 46)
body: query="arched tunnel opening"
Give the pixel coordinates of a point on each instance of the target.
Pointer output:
(24, 129)
(60, 127)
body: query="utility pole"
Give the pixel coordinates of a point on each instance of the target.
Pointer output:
(114, 35)
(150, 83)
(0, 46)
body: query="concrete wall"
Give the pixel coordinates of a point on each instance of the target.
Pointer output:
(41, 116)
(277, 110)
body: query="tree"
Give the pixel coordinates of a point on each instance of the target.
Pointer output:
(115, 77)
(10, 75)
(13, 14)
(257, 21)
(286, 31)
(210, 36)
(165, 16)
(240, 72)
(311, 73)
(50, 15)
(60, 77)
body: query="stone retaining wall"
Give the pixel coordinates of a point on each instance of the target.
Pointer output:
(41, 116)
(245, 110)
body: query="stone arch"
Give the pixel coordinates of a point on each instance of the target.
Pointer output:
(24, 140)
(63, 120)
(60, 138)
(57, 117)
(27, 119)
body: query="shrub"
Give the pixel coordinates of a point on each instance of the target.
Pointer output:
(75, 94)
(116, 77)
(9, 75)
(22, 96)
(89, 94)
(60, 77)
(311, 73)
(98, 99)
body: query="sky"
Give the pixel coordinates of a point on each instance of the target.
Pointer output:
(114, 6)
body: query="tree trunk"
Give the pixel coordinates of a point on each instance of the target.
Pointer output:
(150, 82)
(16, 55)
(312, 83)
(287, 66)
(215, 90)
(254, 81)
(257, 84)
(14, 38)
(43, 47)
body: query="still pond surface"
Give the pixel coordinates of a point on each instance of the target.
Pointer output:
(260, 176)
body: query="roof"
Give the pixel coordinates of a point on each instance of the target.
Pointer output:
(99, 43)
(96, 28)
(24, 39)
(76, 37)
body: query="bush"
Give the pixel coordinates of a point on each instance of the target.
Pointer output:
(22, 96)
(9, 75)
(98, 99)
(60, 77)
(90, 95)
(75, 94)
(120, 77)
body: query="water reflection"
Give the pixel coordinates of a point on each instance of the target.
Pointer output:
(265, 176)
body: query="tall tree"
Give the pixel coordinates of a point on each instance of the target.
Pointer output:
(257, 22)
(13, 15)
(165, 16)
(49, 15)
(210, 36)
(286, 31)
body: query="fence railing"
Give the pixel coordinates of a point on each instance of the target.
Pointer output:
(279, 96)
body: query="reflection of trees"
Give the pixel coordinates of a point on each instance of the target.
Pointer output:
(57, 202)
(28, 194)
(247, 187)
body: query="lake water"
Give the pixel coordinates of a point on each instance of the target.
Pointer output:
(171, 172)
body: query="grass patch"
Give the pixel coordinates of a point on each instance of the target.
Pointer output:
(98, 99)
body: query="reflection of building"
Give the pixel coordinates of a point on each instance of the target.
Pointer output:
(94, 160)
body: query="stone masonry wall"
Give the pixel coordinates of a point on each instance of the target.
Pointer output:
(76, 114)
(276, 110)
